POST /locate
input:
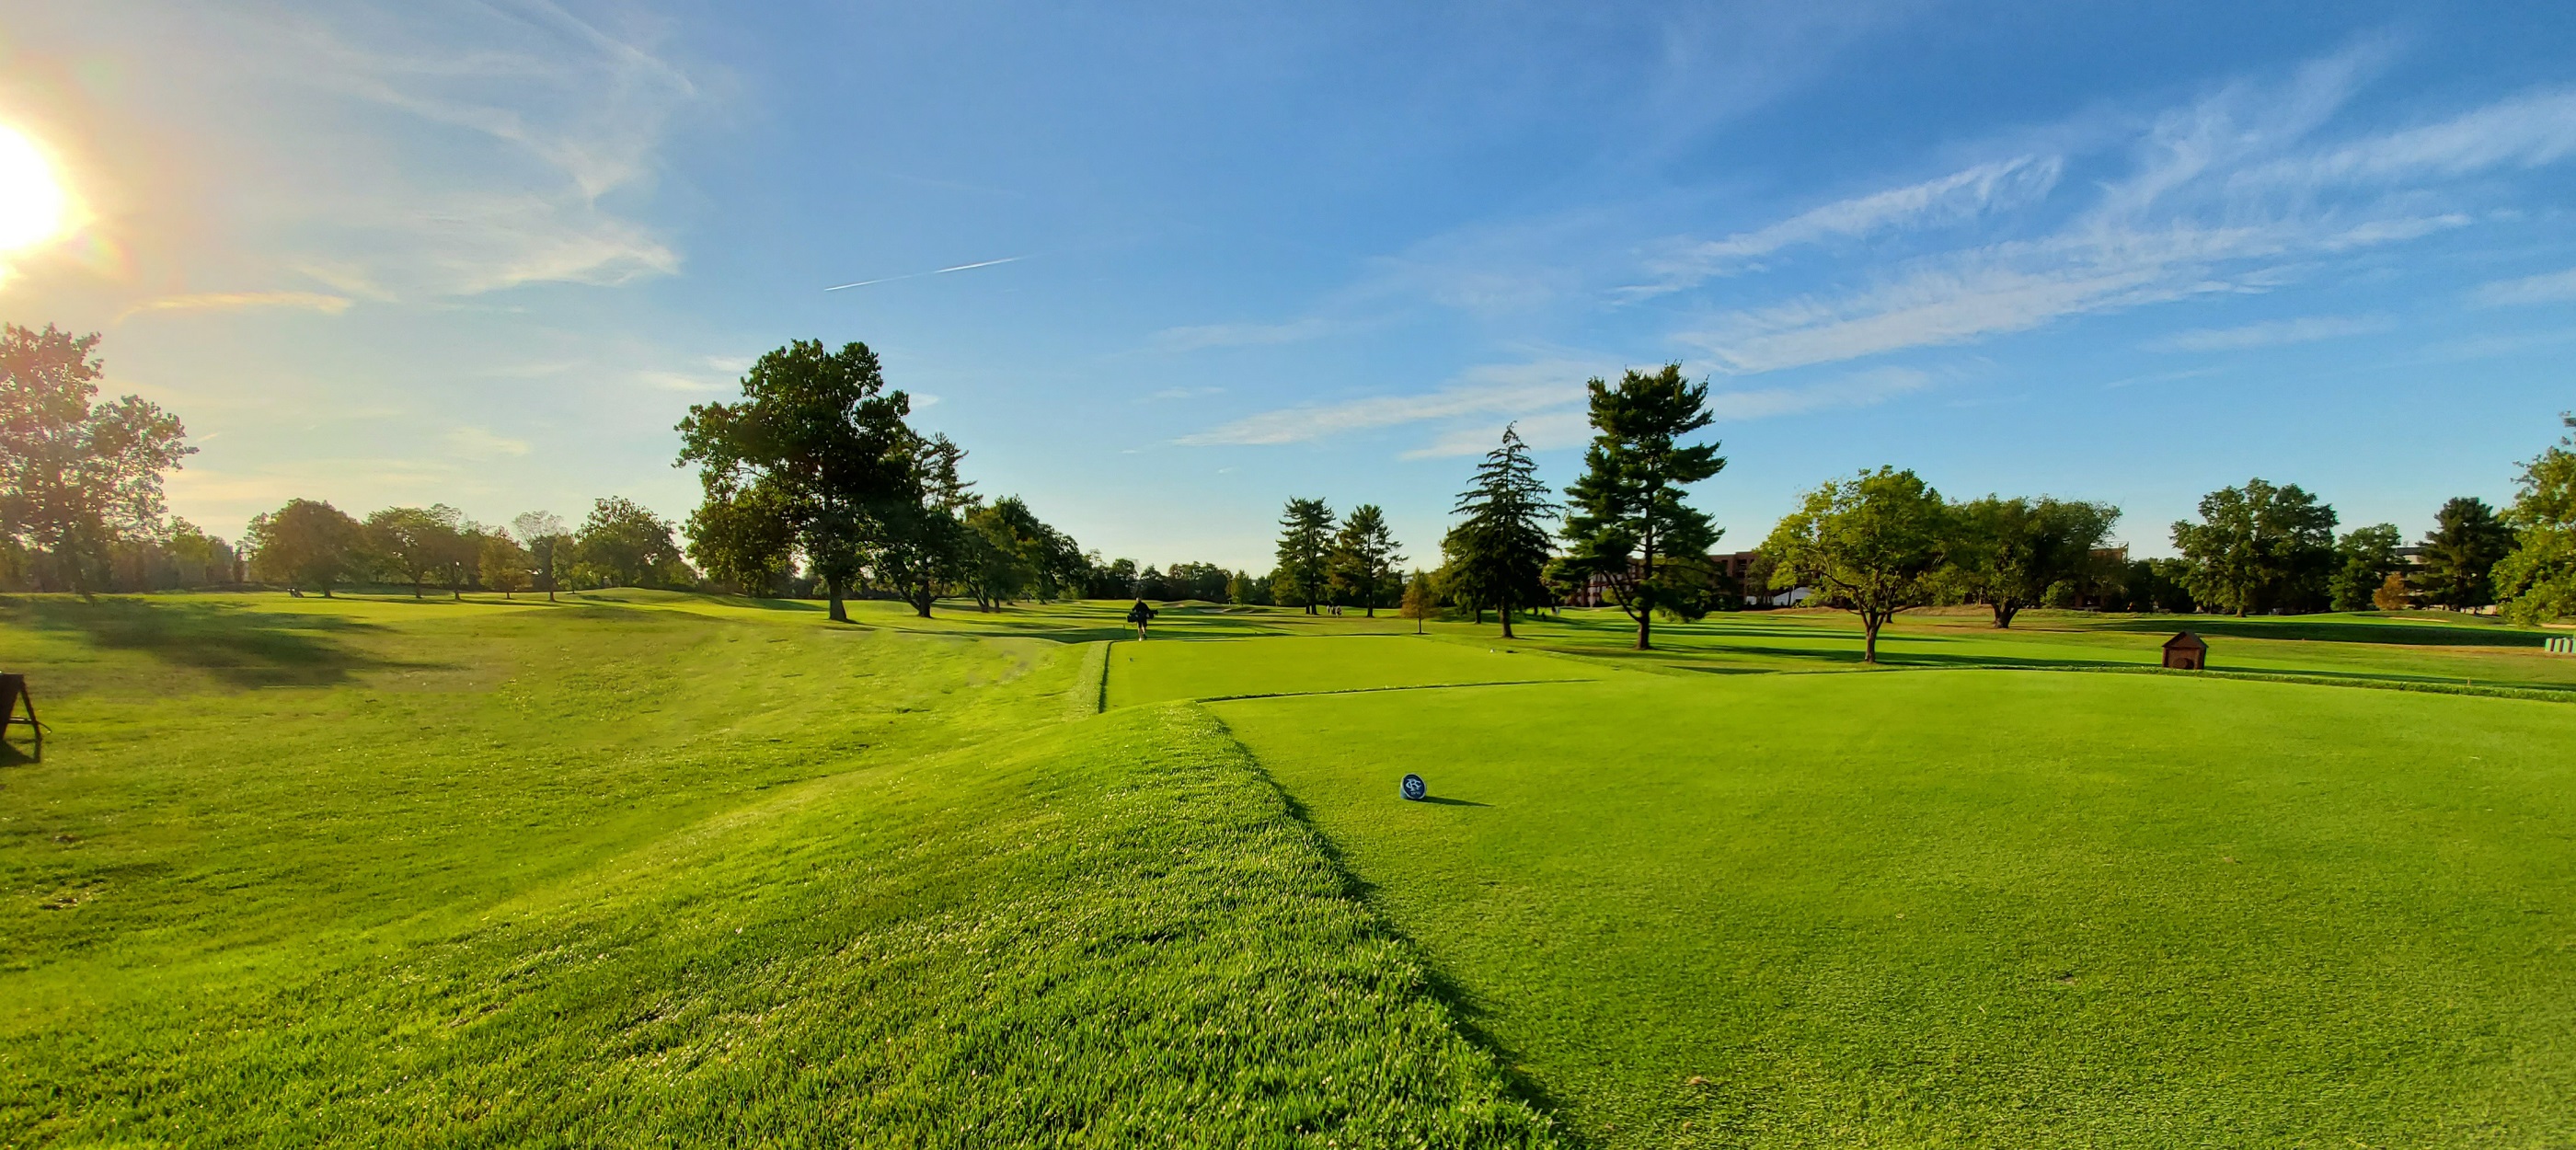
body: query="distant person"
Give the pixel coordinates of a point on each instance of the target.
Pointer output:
(1140, 614)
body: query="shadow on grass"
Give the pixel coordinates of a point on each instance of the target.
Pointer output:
(1445, 801)
(244, 648)
(2408, 633)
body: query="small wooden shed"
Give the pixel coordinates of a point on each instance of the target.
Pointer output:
(2186, 652)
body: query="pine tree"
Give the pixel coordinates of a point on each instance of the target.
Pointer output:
(2461, 551)
(1305, 547)
(1364, 557)
(1498, 554)
(1625, 520)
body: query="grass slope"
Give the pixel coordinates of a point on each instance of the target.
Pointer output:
(1979, 907)
(303, 871)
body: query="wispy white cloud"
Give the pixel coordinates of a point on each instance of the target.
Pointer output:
(1572, 427)
(2550, 287)
(439, 149)
(240, 301)
(1510, 389)
(2270, 333)
(2224, 195)
(1959, 196)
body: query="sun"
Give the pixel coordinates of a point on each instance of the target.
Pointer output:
(32, 203)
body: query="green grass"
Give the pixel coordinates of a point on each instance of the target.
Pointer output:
(645, 867)
(1152, 672)
(654, 868)
(1978, 908)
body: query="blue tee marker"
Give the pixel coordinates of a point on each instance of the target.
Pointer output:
(1414, 788)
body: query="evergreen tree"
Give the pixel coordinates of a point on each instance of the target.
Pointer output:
(2461, 553)
(1625, 522)
(1305, 548)
(1497, 556)
(1364, 557)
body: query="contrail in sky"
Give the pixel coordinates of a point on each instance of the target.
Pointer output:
(918, 275)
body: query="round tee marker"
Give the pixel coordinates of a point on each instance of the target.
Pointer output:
(1414, 788)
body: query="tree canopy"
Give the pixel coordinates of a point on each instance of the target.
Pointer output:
(77, 474)
(1626, 525)
(2365, 560)
(1870, 544)
(2008, 553)
(1497, 555)
(305, 544)
(813, 450)
(1364, 558)
(2259, 546)
(2461, 552)
(2537, 582)
(1304, 553)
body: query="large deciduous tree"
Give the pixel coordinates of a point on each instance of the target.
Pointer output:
(1364, 557)
(2461, 552)
(1304, 553)
(1497, 555)
(2259, 546)
(2007, 553)
(623, 544)
(2365, 560)
(1871, 545)
(2537, 582)
(813, 446)
(1626, 525)
(413, 543)
(77, 474)
(307, 544)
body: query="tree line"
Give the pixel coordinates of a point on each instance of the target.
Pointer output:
(816, 484)
(310, 545)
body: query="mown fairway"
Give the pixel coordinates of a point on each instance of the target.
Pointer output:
(309, 872)
(1971, 907)
(671, 868)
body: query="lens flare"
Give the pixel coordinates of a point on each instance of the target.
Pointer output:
(32, 203)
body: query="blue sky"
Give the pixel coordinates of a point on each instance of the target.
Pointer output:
(489, 254)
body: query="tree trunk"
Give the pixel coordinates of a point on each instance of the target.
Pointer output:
(1644, 596)
(1506, 612)
(2004, 612)
(840, 614)
(1869, 638)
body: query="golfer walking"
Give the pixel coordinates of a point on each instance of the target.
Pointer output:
(1140, 614)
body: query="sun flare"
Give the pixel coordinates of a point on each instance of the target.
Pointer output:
(32, 203)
